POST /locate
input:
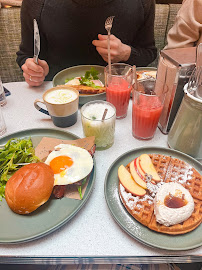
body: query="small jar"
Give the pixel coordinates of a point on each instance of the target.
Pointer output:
(94, 124)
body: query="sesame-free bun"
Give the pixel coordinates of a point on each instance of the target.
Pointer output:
(29, 188)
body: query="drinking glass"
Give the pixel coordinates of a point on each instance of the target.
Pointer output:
(118, 87)
(94, 124)
(2, 123)
(2, 95)
(146, 111)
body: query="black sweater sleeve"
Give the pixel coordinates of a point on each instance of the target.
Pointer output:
(143, 50)
(30, 10)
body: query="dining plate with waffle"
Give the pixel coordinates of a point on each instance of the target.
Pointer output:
(135, 214)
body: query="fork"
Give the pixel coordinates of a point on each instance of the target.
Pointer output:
(199, 83)
(193, 80)
(108, 27)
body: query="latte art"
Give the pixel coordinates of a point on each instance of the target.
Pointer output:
(60, 96)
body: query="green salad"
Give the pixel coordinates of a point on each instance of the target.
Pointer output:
(15, 151)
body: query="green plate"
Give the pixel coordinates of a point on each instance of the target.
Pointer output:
(77, 71)
(52, 215)
(129, 224)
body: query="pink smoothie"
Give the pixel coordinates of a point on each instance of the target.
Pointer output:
(118, 93)
(145, 117)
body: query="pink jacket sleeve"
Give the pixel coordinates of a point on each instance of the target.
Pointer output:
(187, 29)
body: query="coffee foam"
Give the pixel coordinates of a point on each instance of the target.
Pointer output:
(60, 96)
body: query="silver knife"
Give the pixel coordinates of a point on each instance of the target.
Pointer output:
(36, 42)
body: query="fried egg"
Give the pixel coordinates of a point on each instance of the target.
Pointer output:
(69, 163)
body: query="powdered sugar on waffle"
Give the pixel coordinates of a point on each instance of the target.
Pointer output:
(153, 188)
(183, 177)
(132, 200)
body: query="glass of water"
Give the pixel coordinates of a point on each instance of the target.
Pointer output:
(2, 123)
(2, 95)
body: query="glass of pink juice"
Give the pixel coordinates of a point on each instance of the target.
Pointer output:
(146, 112)
(118, 84)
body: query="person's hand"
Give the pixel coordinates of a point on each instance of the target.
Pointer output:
(35, 74)
(118, 50)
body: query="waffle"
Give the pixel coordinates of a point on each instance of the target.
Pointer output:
(87, 90)
(170, 170)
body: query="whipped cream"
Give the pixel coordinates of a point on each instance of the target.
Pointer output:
(170, 216)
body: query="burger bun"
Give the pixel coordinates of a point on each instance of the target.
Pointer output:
(29, 188)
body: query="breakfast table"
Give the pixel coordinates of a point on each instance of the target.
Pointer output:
(92, 235)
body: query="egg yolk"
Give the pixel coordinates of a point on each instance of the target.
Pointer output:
(60, 163)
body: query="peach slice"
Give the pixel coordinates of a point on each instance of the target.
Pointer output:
(129, 184)
(137, 176)
(147, 167)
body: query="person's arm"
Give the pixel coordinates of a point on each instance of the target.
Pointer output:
(28, 13)
(143, 50)
(34, 74)
(30, 10)
(187, 28)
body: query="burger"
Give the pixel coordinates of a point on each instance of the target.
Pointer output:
(29, 188)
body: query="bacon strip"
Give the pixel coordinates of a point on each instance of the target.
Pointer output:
(59, 191)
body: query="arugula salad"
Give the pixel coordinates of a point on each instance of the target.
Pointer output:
(13, 153)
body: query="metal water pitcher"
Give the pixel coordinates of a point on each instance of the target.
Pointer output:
(186, 132)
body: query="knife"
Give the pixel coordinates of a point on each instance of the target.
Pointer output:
(36, 42)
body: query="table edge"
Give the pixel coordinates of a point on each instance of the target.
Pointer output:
(53, 260)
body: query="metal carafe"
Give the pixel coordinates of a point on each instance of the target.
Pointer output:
(186, 132)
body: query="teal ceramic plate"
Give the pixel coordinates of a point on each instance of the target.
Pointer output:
(77, 71)
(52, 215)
(129, 224)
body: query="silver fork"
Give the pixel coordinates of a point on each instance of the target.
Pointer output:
(193, 80)
(199, 84)
(108, 27)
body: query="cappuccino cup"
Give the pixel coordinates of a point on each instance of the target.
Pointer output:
(62, 104)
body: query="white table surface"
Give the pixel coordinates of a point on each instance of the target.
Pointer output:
(92, 235)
